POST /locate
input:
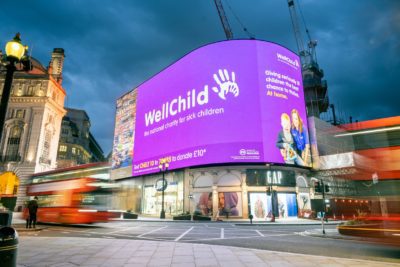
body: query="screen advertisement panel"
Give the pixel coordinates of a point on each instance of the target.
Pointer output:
(222, 103)
(122, 153)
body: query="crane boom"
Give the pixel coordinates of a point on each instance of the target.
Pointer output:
(315, 88)
(296, 26)
(224, 20)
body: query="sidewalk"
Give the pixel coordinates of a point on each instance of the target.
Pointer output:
(73, 251)
(69, 251)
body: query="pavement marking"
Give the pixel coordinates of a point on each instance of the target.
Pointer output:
(222, 233)
(122, 230)
(182, 235)
(155, 230)
(233, 238)
(258, 232)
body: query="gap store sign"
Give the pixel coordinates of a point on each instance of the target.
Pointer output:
(222, 103)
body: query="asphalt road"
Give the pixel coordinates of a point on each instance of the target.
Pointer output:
(286, 238)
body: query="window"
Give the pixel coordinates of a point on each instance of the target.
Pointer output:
(20, 114)
(13, 144)
(46, 147)
(30, 91)
(74, 150)
(63, 148)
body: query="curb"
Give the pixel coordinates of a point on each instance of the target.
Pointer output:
(328, 236)
(284, 224)
(23, 229)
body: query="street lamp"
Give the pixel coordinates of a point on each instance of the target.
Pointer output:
(163, 168)
(271, 192)
(15, 50)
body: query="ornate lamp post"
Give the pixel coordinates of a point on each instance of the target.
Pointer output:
(271, 192)
(14, 51)
(163, 168)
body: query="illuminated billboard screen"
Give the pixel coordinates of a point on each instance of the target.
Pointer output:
(229, 102)
(124, 128)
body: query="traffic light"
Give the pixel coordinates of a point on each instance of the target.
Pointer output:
(326, 188)
(317, 187)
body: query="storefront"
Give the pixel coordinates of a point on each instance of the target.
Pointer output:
(240, 191)
(173, 194)
(220, 192)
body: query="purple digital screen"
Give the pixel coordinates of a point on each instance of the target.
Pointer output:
(228, 102)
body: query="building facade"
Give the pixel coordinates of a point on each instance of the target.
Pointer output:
(223, 132)
(360, 163)
(33, 120)
(220, 160)
(77, 145)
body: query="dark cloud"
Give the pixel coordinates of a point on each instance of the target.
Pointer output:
(111, 47)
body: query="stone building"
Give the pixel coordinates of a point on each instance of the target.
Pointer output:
(77, 145)
(33, 121)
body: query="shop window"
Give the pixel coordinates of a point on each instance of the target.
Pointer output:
(261, 205)
(229, 204)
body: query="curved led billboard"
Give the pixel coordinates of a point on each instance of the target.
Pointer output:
(228, 102)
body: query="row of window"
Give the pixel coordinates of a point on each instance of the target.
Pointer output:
(74, 150)
(17, 113)
(22, 89)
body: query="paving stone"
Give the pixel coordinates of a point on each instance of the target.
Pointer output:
(65, 252)
(233, 263)
(183, 259)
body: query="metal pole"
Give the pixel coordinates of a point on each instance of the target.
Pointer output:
(273, 204)
(324, 205)
(162, 215)
(6, 95)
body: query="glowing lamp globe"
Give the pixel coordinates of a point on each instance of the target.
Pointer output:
(14, 48)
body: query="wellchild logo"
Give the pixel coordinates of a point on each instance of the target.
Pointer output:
(285, 59)
(225, 85)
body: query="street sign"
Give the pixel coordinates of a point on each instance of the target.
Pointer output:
(159, 185)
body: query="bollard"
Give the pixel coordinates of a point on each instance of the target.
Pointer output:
(8, 246)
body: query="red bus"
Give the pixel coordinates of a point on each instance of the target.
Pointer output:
(81, 200)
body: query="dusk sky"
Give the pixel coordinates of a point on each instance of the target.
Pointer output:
(113, 46)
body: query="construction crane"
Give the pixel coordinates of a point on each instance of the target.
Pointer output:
(315, 88)
(224, 20)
